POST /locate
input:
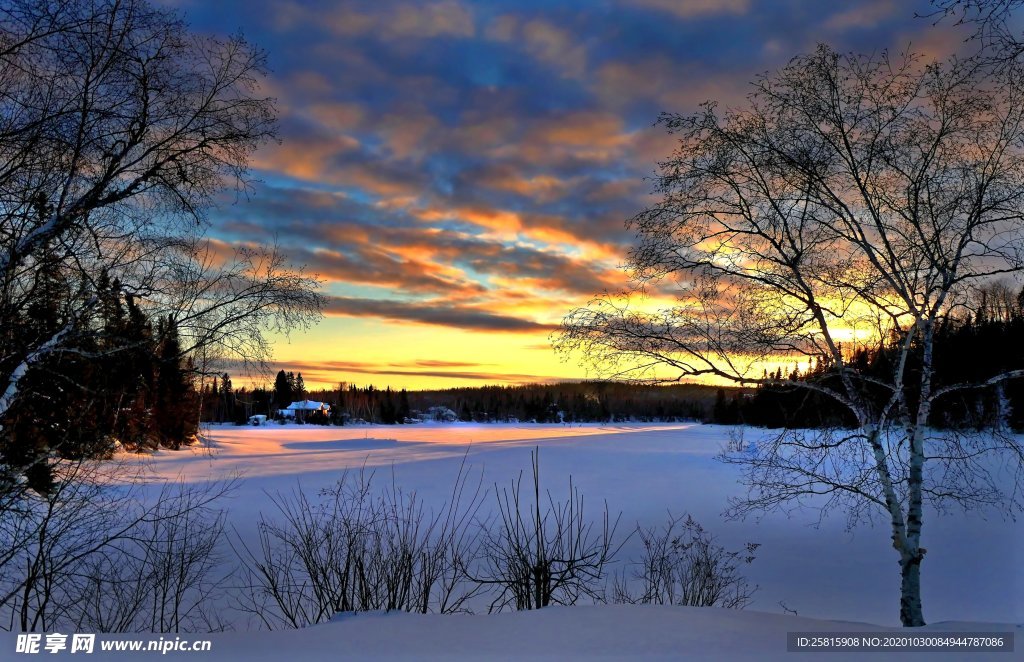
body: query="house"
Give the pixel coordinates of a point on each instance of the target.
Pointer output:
(302, 409)
(441, 414)
(258, 419)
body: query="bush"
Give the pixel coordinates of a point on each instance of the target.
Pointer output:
(98, 552)
(537, 555)
(357, 550)
(683, 565)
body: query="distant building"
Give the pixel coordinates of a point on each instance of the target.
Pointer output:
(442, 414)
(303, 409)
(258, 419)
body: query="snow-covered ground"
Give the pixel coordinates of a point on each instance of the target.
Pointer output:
(612, 632)
(974, 570)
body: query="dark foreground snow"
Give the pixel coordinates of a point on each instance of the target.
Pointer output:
(558, 633)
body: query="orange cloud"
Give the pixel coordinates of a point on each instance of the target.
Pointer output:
(377, 181)
(581, 129)
(304, 158)
(446, 18)
(366, 265)
(408, 134)
(562, 139)
(616, 189)
(329, 373)
(492, 219)
(540, 188)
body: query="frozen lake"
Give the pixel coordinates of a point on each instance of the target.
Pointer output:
(974, 570)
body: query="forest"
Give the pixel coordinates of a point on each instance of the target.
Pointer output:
(564, 402)
(127, 384)
(970, 348)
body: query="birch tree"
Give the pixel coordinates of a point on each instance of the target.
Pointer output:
(851, 198)
(119, 129)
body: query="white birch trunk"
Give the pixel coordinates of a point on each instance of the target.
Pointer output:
(911, 555)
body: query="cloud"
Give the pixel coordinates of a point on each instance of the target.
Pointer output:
(328, 372)
(502, 225)
(416, 20)
(472, 164)
(866, 15)
(540, 187)
(656, 80)
(337, 115)
(689, 9)
(365, 264)
(429, 363)
(345, 241)
(581, 128)
(543, 40)
(408, 133)
(304, 155)
(437, 313)
(436, 19)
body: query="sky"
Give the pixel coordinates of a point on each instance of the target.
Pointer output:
(459, 173)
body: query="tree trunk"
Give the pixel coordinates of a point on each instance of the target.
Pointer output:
(911, 614)
(912, 553)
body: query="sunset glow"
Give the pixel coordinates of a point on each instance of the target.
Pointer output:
(459, 173)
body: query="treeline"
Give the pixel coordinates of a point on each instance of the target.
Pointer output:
(540, 403)
(572, 402)
(968, 350)
(126, 382)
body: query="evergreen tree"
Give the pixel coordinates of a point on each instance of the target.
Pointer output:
(175, 418)
(282, 390)
(227, 398)
(132, 364)
(403, 406)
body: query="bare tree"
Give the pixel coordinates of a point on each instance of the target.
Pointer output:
(118, 129)
(994, 302)
(992, 24)
(853, 197)
(164, 577)
(224, 300)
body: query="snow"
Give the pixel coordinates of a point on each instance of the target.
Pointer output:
(973, 571)
(308, 405)
(557, 633)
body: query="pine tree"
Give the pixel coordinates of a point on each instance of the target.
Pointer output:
(282, 390)
(227, 398)
(133, 359)
(403, 406)
(174, 402)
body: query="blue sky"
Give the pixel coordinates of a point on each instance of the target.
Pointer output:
(459, 173)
